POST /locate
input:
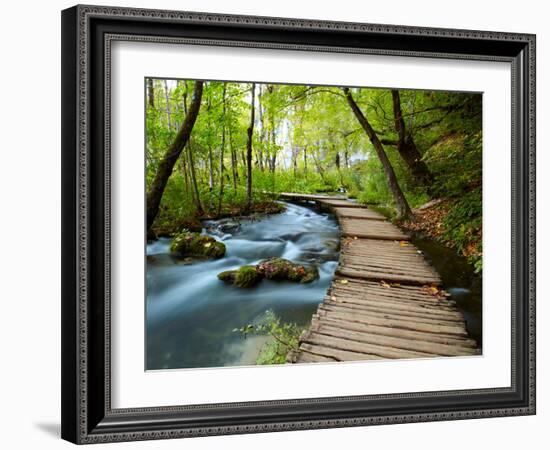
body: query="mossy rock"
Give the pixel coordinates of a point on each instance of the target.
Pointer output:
(228, 276)
(247, 276)
(194, 244)
(244, 277)
(283, 269)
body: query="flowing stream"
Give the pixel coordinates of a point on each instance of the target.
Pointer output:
(191, 314)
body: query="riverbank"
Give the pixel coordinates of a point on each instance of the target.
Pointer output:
(168, 226)
(453, 223)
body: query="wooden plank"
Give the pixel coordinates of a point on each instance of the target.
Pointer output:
(392, 304)
(395, 291)
(372, 229)
(350, 272)
(452, 316)
(402, 316)
(397, 266)
(358, 213)
(305, 357)
(395, 342)
(315, 338)
(395, 332)
(389, 296)
(400, 289)
(294, 196)
(337, 354)
(340, 203)
(392, 322)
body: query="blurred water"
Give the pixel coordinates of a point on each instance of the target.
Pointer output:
(190, 314)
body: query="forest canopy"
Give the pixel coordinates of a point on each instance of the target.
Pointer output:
(216, 149)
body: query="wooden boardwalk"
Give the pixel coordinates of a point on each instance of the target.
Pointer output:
(385, 301)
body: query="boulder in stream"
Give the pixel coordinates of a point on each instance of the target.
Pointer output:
(244, 277)
(283, 269)
(194, 244)
(272, 269)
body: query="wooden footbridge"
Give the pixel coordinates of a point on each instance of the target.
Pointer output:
(385, 301)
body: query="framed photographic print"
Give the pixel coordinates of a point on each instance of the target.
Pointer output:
(281, 224)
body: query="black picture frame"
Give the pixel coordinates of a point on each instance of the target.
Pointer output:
(87, 416)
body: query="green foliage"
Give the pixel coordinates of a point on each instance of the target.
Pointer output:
(284, 337)
(307, 139)
(462, 226)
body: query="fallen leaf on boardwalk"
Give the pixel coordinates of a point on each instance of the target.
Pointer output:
(403, 243)
(343, 281)
(384, 284)
(333, 298)
(354, 238)
(395, 284)
(435, 291)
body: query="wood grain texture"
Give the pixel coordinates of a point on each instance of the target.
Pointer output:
(385, 301)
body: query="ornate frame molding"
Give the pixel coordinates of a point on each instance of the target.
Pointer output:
(84, 422)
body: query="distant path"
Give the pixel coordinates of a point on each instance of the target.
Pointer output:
(385, 300)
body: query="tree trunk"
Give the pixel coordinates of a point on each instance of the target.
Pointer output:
(234, 169)
(250, 133)
(193, 176)
(273, 157)
(407, 147)
(150, 93)
(185, 176)
(222, 150)
(210, 170)
(166, 166)
(260, 155)
(305, 160)
(168, 112)
(403, 209)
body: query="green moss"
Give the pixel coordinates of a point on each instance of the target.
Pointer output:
(272, 269)
(228, 276)
(283, 269)
(247, 276)
(194, 244)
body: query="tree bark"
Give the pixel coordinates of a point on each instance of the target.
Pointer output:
(210, 170)
(407, 147)
(193, 176)
(250, 132)
(403, 209)
(260, 156)
(222, 150)
(234, 162)
(150, 93)
(166, 166)
(168, 112)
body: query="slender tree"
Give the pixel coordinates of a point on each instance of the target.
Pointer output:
(193, 176)
(407, 147)
(166, 165)
(222, 148)
(234, 161)
(167, 99)
(402, 206)
(250, 132)
(150, 93)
